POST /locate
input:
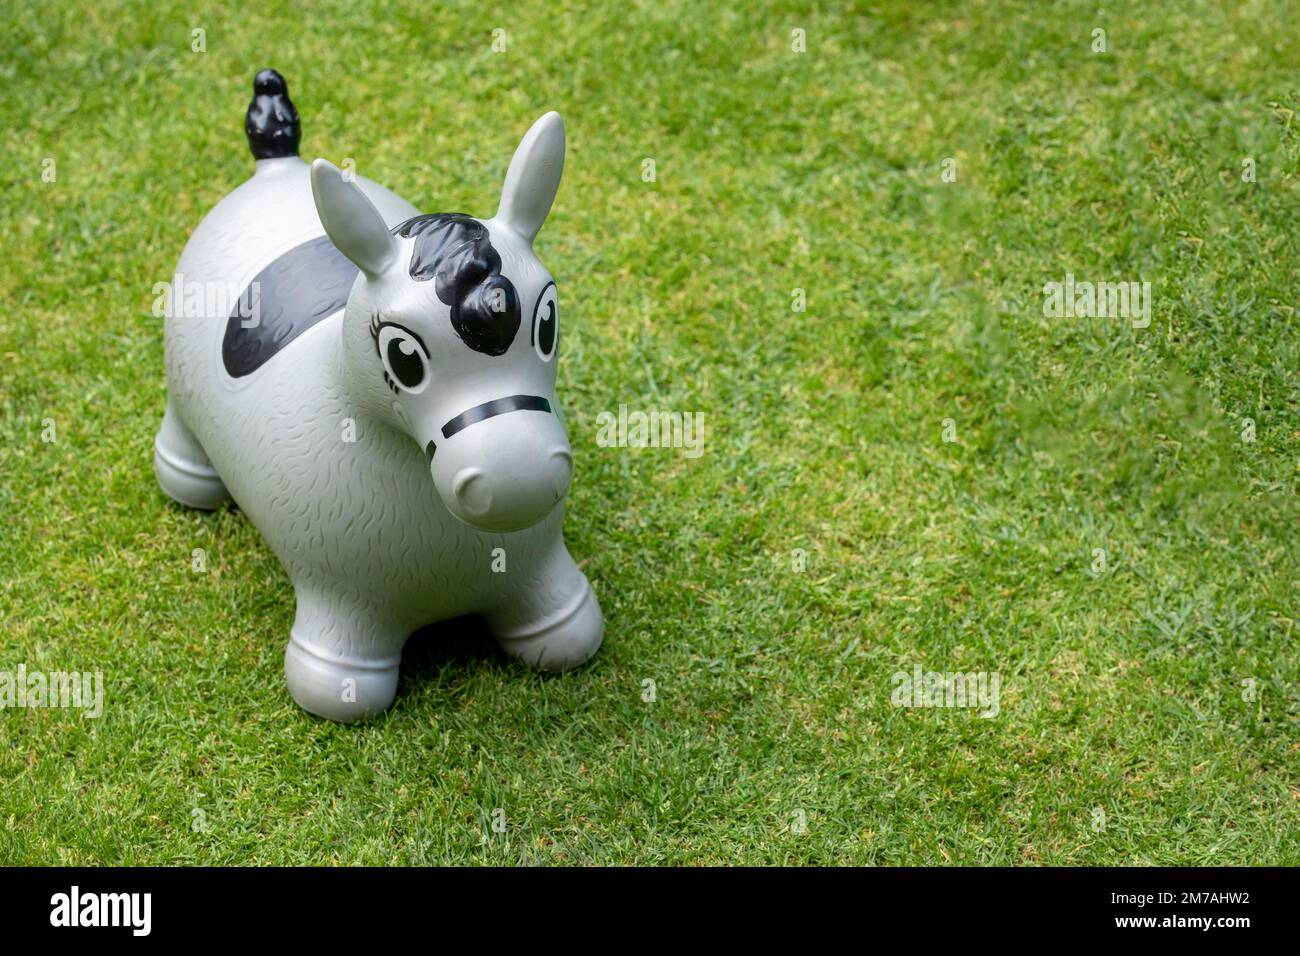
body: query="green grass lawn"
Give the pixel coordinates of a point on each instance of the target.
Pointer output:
(1148, 713)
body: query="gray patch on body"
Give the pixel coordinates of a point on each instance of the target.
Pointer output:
(308, 283)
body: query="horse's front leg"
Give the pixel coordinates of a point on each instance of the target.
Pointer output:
(343, 656)
(551, 620)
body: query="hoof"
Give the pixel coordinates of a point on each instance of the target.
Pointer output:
(339, 690)
(188, 483)
(564, 643)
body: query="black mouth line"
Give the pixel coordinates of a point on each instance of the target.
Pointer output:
(498, 406)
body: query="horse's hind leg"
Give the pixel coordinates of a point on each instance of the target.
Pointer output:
(182, 466)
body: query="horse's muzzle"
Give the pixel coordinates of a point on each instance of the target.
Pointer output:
(502, 472)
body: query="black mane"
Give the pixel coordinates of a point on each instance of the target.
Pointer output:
(456, 251)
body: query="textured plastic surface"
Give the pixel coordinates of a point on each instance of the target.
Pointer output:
(401, 476)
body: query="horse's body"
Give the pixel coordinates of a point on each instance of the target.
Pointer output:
(282, 408)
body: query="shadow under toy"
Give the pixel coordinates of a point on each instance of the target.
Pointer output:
(380, 401)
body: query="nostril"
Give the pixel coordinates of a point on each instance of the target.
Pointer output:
(472, 491)
(561, 471)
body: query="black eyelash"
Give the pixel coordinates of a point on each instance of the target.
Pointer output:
(374, 334)
(376, 324)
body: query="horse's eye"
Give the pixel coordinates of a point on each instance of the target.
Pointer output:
(405, 359)
(546, 323)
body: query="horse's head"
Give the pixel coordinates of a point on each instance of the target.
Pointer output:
(451, 333)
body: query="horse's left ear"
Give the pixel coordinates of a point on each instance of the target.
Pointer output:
(533, 177)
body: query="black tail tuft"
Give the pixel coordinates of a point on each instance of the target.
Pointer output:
(272, 122)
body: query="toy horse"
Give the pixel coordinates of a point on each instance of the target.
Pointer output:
(381, 403)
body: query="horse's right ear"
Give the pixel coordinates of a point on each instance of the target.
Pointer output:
(351, 220)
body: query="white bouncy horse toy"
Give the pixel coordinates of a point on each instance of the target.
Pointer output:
(381, 404)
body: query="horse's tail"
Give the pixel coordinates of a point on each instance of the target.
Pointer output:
(272, 122)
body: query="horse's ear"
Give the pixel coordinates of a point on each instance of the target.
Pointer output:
(351, 220)
(533, 177)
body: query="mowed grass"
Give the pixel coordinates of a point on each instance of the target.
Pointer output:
(1148, 714)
